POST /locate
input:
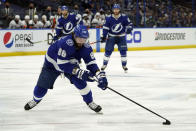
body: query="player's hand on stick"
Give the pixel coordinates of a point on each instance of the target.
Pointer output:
(102, 80)
(128, 30)
(103, 39)
(83, 75)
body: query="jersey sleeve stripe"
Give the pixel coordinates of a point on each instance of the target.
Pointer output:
(85, 91)
(59, 61)
(72, 61)
(59, 27)
(53, 62)
(91, 63)
(104, 27)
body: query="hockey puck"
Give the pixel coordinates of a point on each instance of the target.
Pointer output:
(167, 122)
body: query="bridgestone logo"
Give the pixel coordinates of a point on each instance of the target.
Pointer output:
(170, 36)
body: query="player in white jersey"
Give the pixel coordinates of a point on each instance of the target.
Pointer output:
(45, 22)
(16, 23)
(35, 23)
(25, 22)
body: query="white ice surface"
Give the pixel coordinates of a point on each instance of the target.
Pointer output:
(164, 81)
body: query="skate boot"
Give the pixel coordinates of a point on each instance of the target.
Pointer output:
(93, 106)
(30, 105)
(125, 69)
(103, 67)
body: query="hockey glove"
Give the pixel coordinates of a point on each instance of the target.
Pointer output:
(102, 80)
(129, 30)
(83, 74)
(103, 39)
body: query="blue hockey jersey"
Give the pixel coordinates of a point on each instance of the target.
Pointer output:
(64, 56)
(66, 25)
(117, 27)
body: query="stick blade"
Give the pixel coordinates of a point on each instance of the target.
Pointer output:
(167, 122)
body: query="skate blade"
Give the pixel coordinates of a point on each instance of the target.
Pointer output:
(126, 71)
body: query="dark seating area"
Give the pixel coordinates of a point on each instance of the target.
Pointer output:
(147, 13)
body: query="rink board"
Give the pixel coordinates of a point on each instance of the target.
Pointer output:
(13, 42)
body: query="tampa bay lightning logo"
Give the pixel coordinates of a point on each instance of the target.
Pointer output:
(68, 26)
(117, 28)
(7, 40)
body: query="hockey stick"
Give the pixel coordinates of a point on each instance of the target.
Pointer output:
(167, 122)
(27, 39)
(95, 42)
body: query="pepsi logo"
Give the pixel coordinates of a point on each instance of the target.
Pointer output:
(7, 41)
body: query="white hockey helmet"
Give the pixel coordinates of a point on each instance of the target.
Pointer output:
(27, 17)
(44, 17)
(97, 14)
(17, 17)
(36, 17)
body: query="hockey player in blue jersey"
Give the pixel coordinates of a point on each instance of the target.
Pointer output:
(114, 30)
(62, 57)
(66, 23)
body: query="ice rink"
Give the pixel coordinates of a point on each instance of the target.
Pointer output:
(164, 81)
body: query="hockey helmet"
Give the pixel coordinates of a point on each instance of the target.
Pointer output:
(81, 31)
(64, 7)
(116, 6)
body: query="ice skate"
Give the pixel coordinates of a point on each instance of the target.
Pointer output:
(97, 108)
(125, 69)
(30, 105)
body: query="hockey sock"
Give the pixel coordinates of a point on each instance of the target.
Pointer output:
(88, 97)
(86, 94)
(123, 57)
(83, 88)
(39, 93)
(106, 57)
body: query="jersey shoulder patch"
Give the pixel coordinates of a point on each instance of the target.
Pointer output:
(69, 42)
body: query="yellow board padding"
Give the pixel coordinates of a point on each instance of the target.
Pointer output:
(102, 50)
(22, 53)
(156, 48)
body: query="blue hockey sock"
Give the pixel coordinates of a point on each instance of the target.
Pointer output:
(88, 97)
(123, 57)
(39, 93)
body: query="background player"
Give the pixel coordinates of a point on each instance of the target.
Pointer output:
(115, 28)
(62, 57)
(66, 23)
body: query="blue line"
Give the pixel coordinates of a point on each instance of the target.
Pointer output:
(98, 39)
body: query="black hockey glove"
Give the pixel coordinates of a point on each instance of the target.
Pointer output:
(129, 30)
(83, 74)
(102, 80)
(103, 39)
